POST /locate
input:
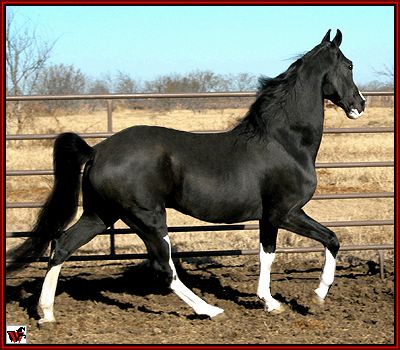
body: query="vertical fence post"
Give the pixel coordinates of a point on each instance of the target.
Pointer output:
(109, 115)
(110, 129)
(112, 241)
(381, 264)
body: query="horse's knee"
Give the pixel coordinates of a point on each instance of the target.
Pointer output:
(163, 272)
(59, 255)
(333, 245)
(87, 227)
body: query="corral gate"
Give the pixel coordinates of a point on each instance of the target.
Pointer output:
(112, 231)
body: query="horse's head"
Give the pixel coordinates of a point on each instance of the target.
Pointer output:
(338, 85)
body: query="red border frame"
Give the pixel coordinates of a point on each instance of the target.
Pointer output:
(4, 3)
(188, 2)
(199, 2)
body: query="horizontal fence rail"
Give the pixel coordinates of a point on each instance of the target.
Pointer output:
(103, 135)
(158, 96)
(368, 195)
(317, 165)
(230, 227)
(207, 228)
(232, 252)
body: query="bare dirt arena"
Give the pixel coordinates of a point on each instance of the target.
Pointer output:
(123, 303)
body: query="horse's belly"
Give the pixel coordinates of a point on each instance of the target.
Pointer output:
(219, 213)
(219, 204)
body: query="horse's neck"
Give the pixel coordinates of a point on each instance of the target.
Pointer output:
(302, 120)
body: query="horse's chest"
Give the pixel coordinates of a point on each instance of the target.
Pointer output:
(291, 184)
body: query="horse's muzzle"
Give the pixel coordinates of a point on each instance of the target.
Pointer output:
(354, 113)
(357, 109)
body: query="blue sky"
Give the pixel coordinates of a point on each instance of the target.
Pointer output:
(149, 41)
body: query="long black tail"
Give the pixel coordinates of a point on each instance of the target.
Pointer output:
(69, 154)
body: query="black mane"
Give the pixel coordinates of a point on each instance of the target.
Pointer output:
(271, 96)
(273, 87)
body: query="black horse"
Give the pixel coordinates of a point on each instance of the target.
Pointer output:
(263, 169)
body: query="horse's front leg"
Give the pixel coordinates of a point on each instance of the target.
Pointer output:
(298, 222)
(268, 234)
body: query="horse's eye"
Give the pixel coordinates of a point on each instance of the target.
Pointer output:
(351, 67)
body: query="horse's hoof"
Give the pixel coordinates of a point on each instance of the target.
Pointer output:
(220, 317)
(281, 309)
(274, 308)
(215, 312)
(317, 300)
(317, 305)
(209, 311)
(47, 325)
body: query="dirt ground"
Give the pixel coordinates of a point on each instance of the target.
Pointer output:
(123, 303)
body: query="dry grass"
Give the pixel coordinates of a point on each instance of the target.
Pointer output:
(334, 148)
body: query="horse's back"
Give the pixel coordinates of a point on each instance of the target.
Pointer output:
(204, 175)
(150, 144)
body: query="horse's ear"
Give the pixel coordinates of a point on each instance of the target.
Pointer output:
(326, 37)
(337, 40)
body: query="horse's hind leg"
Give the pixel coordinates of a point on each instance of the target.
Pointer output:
(46, 300)
(199, 305)
(153, 231)
(87, 227)
(268, 234)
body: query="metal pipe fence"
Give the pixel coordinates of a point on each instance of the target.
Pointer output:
(109, 132)
(140, 96)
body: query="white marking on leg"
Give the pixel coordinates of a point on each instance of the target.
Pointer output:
(199, 306)
(327, 276)
(264, 281)
(47, 295)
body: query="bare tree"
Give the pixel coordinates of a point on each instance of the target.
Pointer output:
(61, 79)
(387, 73)
(196, 81)
(208, 81)
(125, 84)
(243, 82)
(98, 86)
(26, 56)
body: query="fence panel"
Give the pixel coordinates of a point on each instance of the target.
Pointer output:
(99, 135)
